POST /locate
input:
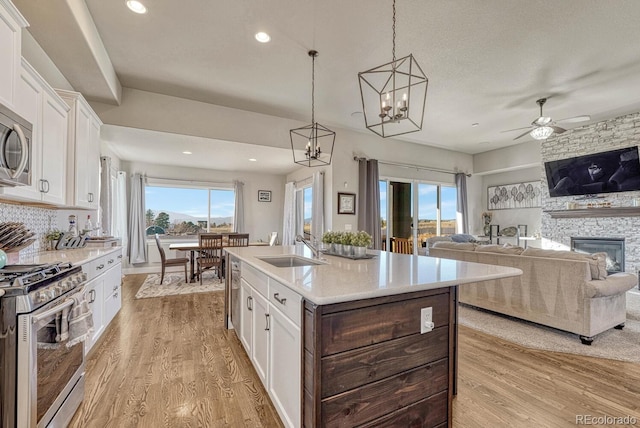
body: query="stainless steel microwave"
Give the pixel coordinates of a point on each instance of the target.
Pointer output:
(15, 149)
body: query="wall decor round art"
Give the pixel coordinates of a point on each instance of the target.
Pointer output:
(511, 196)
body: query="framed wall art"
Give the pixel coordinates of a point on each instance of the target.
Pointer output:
(511, 196)
(264, 195)
(346, 203)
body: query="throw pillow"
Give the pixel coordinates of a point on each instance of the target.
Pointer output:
(462, 237)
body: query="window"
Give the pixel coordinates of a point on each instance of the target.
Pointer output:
(181, 211)
(304, 200)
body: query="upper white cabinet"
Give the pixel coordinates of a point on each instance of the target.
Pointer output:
(11, 24)
(83, 161)
(37, 102)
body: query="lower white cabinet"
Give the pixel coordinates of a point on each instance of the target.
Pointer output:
(273, 342)
(284, 367)
(103, 290)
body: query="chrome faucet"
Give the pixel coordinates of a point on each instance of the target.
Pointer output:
(314, 250)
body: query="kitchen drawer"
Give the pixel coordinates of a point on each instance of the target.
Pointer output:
(256, 279)
(286, 300)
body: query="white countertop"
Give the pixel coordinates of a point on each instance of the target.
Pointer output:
(76, 257)
(342, 280)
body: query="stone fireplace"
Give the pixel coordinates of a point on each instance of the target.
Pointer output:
(614, 247)
(557, 231)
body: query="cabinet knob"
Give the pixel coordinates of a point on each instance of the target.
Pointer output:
(110, 261)
(99, 267)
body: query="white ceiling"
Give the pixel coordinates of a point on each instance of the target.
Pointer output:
(487, 61)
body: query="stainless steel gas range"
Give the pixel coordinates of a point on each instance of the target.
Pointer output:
(41, 378)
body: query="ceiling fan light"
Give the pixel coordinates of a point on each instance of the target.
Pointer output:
(541, 132)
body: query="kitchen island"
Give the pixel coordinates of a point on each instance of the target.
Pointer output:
(342, 342)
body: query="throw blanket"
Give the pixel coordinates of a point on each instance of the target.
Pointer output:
(80, 320)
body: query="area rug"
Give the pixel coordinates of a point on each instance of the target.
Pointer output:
(623, 345)
(174, 284)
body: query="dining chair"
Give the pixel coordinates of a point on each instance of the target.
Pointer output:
(401, 245)
(238, 240)
(171, 262)
(210, 253)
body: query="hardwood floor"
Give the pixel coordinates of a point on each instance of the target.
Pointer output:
(505, 385)
(168, 362)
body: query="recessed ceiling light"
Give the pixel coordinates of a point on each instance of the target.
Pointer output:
(136, 6)
(473, 125)
(253, 160)
(187, 153)
(263, 37)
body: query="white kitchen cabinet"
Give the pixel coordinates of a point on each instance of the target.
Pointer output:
(103, 290)
(95, 298)
(260, 336)
(37, 102)
(83, 160)
(11, 24)
(285, 344)
(246, 315)
(270, 332)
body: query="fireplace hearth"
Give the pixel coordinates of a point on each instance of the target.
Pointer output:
(614, 247)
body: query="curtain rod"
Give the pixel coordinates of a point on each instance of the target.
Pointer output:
(295, 183)
(410, 166)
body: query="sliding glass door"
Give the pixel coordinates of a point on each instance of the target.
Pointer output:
(401, 202)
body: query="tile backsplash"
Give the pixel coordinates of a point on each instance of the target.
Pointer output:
(39, 220)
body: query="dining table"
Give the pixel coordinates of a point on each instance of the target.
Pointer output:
(194, 246)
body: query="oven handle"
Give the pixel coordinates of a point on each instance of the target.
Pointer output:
(37, 318)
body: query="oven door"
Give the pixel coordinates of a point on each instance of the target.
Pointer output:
(50, 374)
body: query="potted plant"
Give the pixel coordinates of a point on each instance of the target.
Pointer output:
(51, 238)
(346, 239)
(328, 238)
(360, 242)
(336, 246)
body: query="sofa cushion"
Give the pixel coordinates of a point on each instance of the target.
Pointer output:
(597, 261)
(502, 249)
(462, 246)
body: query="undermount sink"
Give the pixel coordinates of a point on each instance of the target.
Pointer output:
(290, 261)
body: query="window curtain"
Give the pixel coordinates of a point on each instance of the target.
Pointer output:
(238, 213)
(105, 195)
(137, 238)
(462, 217)
(119, 219)
(317, 207)
(369, 200)
(289, 224)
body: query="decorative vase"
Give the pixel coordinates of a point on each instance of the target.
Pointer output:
(487, 229)
(337, 248)
(347, 250)
(359, 252)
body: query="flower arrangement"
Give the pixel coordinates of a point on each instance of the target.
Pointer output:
(361, 239)
(346, 238)
(329, 237)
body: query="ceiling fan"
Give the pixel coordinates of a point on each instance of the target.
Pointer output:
(543, 127)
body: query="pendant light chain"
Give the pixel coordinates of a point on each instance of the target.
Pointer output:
(393, 39)
(313, 88)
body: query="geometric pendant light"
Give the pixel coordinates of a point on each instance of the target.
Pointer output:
(394, 94)
(312, 145)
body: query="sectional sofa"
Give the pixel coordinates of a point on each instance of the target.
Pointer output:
(562, 289)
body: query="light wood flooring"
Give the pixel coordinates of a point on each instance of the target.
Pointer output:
(168, 362)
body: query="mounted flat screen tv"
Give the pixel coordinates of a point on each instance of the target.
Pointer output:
(606, 172)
